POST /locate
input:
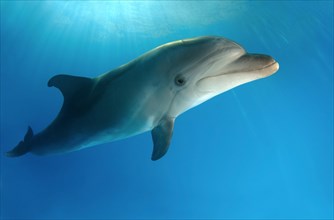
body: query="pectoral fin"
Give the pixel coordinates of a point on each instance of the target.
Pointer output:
(162, 135)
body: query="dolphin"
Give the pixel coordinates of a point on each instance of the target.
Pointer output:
(146, 94)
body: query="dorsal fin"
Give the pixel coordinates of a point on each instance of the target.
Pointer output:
(75, 89)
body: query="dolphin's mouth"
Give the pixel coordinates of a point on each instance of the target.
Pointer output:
(243, 70)
(269, 69)
(266, 70)
(273, 67)
(251, 63)
(267, 66)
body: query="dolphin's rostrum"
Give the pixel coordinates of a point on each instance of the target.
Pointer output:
(146, 94)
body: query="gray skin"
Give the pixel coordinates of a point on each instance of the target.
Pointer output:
(146, 94)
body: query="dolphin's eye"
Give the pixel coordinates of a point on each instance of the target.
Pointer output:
(180, 81)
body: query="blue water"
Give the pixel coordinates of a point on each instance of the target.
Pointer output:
(262, 150)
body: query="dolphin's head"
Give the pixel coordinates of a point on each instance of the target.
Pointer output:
(201, 68)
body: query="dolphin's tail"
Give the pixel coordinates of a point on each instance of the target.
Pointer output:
(22, 147)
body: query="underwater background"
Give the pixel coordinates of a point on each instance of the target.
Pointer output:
(263, 150)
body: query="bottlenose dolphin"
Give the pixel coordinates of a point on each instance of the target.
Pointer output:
(145, 94)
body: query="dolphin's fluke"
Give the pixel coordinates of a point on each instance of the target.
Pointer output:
(23, 147)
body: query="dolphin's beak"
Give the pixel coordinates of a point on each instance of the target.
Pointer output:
(256, 63)
(246, 68)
